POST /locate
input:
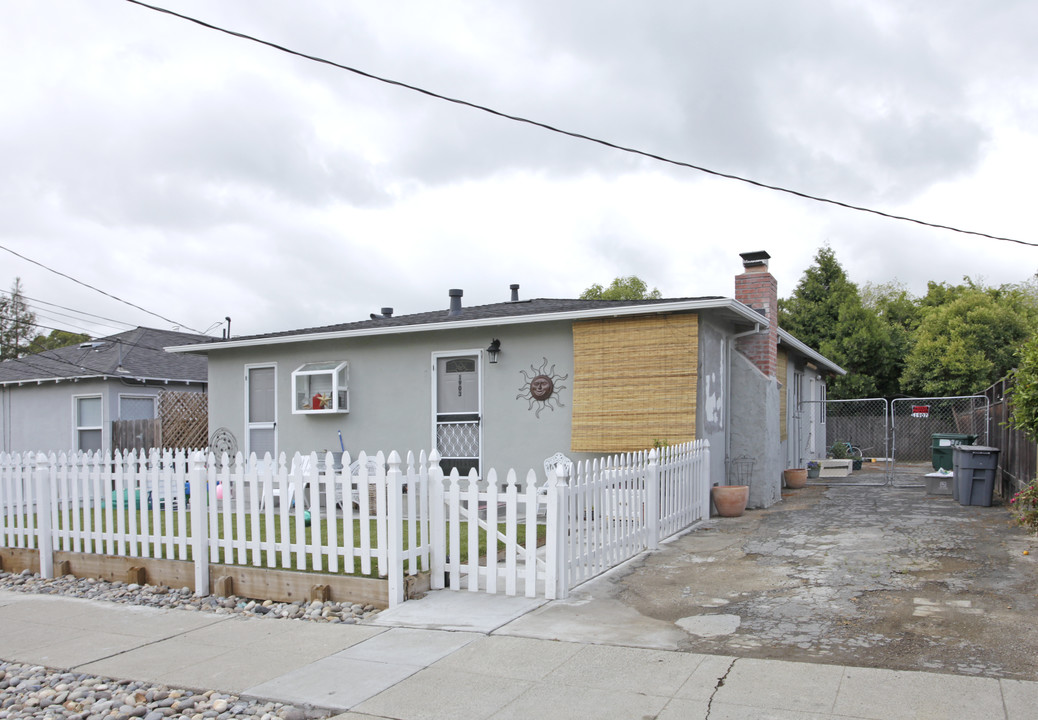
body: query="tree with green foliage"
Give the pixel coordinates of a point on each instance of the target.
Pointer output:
(631, 287)
(17, 323)
(827, 313)
(1023, 394)
(969, 337)
(56, 339)
(899, 311)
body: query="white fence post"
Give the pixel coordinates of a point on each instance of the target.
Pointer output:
(556, 582)
(395, 534)
(702, 480)
(652, 501)
(199, 522)
(437, 529)
(44, 534)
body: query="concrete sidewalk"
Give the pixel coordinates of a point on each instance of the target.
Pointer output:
(405, 667)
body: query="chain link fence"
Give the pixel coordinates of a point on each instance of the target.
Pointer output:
(924, 431)
(856, 429)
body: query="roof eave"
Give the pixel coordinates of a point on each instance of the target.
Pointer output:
(111, 376)
(741, 311)
(803, 349)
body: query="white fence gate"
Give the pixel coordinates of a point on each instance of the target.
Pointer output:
(594, 515)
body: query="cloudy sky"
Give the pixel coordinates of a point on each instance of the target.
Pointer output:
(198, 175)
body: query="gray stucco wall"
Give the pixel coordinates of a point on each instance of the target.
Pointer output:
(711, 423)
(391, 385)
(755, 431)
(41, 418)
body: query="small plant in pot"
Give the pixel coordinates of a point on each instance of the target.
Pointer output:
(813, 469)
(795, 478)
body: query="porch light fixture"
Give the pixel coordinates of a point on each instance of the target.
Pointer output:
(494, 350)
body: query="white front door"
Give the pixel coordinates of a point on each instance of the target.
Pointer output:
(261, 411)
(457, 407)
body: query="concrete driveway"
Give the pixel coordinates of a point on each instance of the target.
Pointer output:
(864, 576)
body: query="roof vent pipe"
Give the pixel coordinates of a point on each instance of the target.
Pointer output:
(514, 287)
(455, 296)
(387, 312)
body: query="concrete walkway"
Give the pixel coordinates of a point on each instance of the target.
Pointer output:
(452, 655)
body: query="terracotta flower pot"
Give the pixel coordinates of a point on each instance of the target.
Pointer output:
(795, 477)
(730, 500)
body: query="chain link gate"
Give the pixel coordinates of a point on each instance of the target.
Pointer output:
(924, 430)
(858, 430)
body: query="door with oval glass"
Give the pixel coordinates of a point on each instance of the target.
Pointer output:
(457, 408)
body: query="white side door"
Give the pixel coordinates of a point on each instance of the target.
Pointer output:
(261, 433)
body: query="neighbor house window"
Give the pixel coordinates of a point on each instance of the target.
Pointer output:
(88, 423)
(136, 408)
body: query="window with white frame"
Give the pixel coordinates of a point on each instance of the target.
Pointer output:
(321, 387)
(137, 407)
(89, 423)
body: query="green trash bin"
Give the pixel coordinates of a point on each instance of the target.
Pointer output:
(942, 448)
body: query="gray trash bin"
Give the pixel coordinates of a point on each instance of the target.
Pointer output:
(975, 473)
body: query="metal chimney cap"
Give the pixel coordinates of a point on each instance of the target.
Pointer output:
(455, 292)
(760, 257)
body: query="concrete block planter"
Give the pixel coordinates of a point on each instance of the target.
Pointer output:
(834, 468)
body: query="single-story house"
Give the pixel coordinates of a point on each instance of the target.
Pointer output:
(510, 384)
(67, 399)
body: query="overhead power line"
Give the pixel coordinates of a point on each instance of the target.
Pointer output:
(91, 287)
(578, 136)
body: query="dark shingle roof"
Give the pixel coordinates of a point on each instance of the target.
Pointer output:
(539, 306)
(139, 352)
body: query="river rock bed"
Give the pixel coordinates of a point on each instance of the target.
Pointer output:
(160, 596)
(28, 691)
(32, 691)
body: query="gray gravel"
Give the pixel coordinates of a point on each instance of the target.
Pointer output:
(28, 691)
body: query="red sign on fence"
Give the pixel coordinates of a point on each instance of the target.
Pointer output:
(921, 411)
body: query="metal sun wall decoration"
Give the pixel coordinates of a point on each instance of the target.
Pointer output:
(541, 388)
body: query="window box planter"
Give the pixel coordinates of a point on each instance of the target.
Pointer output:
(320, 388)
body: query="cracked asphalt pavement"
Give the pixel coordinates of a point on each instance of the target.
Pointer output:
(865, 576)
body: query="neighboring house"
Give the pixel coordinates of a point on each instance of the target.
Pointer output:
(66, 399)
(509, 384)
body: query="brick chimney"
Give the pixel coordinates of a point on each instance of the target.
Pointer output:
(758, 289)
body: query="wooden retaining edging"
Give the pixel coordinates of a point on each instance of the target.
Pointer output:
(248, 582)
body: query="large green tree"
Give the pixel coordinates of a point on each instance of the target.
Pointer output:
(969, 337)
(56, 339)
(826, 311)
(631, 287)
(17, 323)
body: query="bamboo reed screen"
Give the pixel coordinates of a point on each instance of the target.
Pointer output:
(634, 382)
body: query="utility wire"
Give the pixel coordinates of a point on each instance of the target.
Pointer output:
(91, 287)
(578, 136)
(73, 310)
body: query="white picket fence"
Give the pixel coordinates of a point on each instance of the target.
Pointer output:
(534, 538)
(594, 516)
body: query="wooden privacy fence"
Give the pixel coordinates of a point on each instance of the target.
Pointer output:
(376, 516)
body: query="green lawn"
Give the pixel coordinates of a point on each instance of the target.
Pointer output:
(158, 521)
